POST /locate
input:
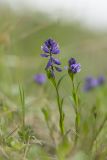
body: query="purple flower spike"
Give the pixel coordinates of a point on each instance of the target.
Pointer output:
(50, 46)
(40, 79)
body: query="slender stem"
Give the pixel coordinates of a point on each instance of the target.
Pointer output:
(23, 113)
(22, 98)
(61, 125)
(61, 120)
(50, 131)
(76, 109)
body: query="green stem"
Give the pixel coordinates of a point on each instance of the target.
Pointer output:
(22, 98)
(76, 109)
(61, 120)
(61, 124)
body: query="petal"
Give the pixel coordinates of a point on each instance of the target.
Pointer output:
(72, 61)
(55, 50)
(58, 69)
(44, 55)
(75, 68)
(45, 49)
(48, 64)
(78, 67)
(56, 61)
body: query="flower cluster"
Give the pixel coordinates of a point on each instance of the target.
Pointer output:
(91, 83)
(51, 47)
(40, 78)
(74, 67)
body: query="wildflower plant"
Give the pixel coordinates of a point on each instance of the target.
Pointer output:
(51, 48)
(25, 131)
(19, 138)
(73, 69)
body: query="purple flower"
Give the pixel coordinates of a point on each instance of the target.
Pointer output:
(71, 61)
(90, 83)
(50, 46)
(101, 80)
(73, 66)
(40, 79)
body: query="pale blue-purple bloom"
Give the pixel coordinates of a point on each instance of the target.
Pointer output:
(40, 78)
(91, 82)
(74, 67)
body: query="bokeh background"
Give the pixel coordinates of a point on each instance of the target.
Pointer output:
(80, 28)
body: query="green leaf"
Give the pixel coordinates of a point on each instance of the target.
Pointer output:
(78, 87)
(45, 113)
(22, 98)
(60, 80)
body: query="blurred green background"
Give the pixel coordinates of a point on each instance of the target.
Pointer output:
(22, 34)
(21, 37)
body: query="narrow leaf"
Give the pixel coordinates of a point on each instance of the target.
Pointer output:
(60, 80)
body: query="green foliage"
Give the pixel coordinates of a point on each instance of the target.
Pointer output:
(22, 98)
(26, 134)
